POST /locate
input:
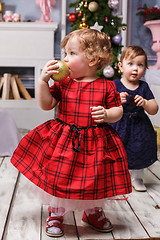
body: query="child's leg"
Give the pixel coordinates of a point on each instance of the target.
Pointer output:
(137, 173)
(96, 219)
(137, 180)
(54, 227)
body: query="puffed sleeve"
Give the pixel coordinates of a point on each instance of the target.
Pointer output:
(113, 96)
(147, 91)
(55, 90)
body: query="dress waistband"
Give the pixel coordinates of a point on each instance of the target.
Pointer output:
(77, 134)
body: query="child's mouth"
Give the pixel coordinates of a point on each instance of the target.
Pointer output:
(134, 75)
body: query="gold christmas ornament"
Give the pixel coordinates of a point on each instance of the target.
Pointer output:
(119, 71)
(124, 28)
(85, 4)
(83, 24)
(93, 6)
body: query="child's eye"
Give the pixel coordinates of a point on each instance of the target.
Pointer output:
(72, 53)
(140, 65)
(130, 64)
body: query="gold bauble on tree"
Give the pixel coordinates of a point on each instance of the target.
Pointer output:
(83, 24)
(93, 6)
(119, 71)
(85, 4)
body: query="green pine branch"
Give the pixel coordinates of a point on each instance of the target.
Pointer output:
(112, 27)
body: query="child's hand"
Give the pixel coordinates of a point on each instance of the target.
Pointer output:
(48, 70)
(123, 96)
(139, 100)
(99, 114)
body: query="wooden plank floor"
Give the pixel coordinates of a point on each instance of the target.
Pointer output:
(22, 216)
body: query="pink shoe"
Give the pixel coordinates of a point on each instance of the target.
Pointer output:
(98, 221)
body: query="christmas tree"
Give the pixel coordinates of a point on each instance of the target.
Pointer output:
(100, 15)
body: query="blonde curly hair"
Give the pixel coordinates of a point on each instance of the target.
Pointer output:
(95, 44)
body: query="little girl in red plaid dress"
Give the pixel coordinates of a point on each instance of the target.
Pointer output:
(78, 159)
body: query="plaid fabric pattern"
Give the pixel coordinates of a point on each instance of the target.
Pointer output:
(46, 156)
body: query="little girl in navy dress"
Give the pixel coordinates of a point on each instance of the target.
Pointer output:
(135, 127)
(78, 159)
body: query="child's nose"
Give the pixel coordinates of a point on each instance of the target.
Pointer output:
(135, 67)
(66, 59)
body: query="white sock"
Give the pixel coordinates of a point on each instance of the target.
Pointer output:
(91, 210)
(59, 212)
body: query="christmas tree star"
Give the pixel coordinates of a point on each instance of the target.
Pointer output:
(97, 27)
(101, 15)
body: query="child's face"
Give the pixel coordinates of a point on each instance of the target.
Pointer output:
(133, 69)
(75, 59)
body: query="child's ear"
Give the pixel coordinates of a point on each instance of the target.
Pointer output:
(120, 66)
(94, 61)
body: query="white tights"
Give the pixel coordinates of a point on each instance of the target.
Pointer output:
(138, 173)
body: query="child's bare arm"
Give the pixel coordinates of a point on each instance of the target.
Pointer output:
(45, 99)
(100, 114)
(150, 106)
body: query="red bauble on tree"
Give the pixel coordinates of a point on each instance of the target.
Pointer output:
(101, 16)
(80, 14)
(72, 17)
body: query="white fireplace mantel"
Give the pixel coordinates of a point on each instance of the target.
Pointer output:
(27, 40)
(26, 44)
(34, 26)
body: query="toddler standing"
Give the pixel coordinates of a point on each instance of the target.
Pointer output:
(135, 127)
(78, 158)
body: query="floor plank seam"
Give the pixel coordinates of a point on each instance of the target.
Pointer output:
(157, 206)
(76, 225)
(41, 222)
(10, 208)
(153, 173)
(2, 160)
(138, 219)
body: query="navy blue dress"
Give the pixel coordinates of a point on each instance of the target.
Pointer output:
(135, 128)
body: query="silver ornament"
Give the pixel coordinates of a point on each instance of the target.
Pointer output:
(113, 3)
(108, 72)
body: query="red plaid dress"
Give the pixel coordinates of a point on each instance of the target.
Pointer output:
(72, 157)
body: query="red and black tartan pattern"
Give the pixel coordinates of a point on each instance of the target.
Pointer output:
(46, 155)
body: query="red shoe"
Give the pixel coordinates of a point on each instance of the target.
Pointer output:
(98, 221)
(55, 221)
